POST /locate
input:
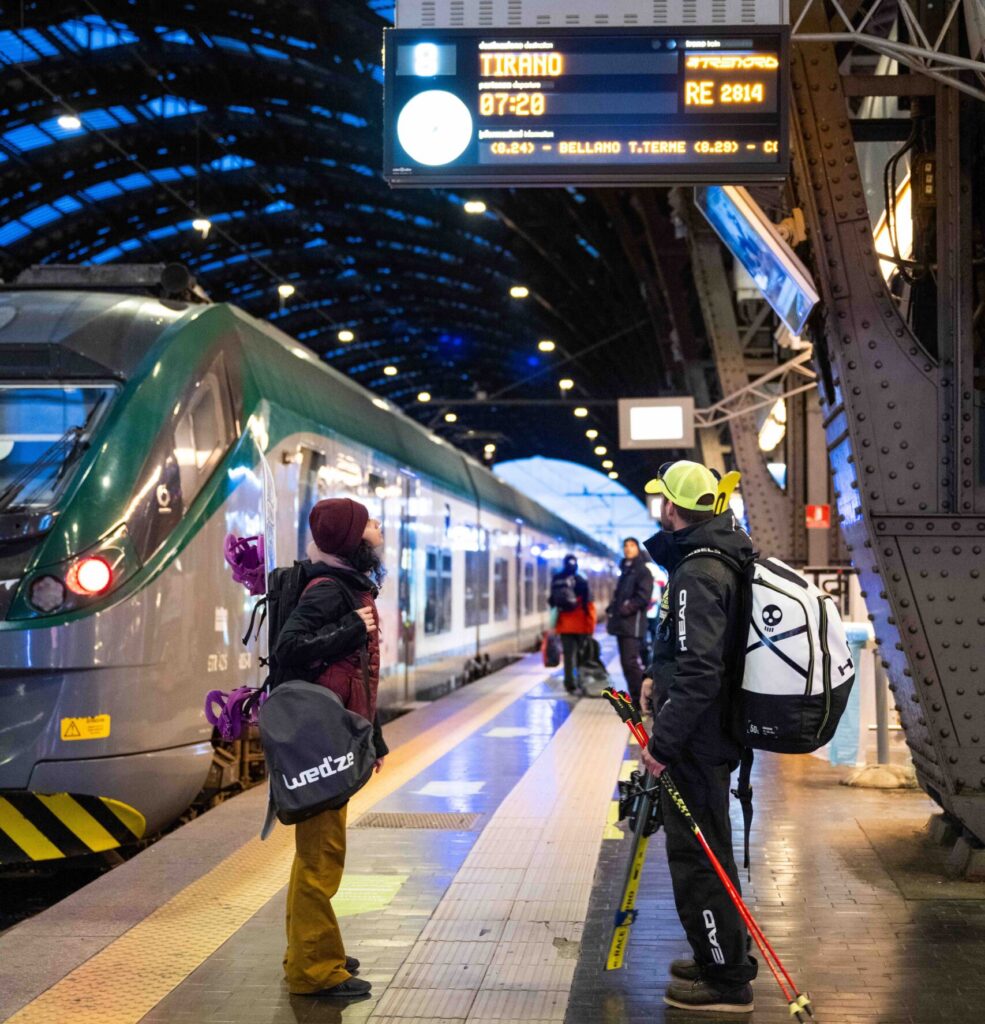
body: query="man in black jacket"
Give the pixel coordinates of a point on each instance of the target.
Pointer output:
(627, 613)
(691, 679)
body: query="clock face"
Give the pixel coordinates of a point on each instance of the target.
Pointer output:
(434, 127)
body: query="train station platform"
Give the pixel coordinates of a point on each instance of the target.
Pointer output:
(483, 869)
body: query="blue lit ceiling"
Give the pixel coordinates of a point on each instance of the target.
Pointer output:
(265, 117)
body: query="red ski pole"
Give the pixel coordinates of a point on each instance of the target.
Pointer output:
(798, 1002)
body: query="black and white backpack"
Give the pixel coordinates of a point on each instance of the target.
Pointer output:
(797, 672)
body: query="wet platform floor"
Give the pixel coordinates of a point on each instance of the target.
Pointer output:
(505, 914)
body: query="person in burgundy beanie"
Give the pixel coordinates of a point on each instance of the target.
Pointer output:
(323, 641)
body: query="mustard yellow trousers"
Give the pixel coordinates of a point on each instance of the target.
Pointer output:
(315, 956)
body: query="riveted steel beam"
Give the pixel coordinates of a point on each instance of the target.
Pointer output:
(894, 413)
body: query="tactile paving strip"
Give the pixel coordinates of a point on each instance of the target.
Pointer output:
(448, 821)
(130, 976)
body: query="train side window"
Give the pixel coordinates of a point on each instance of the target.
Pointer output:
(437, 606)
(201, 436)
(543, 580)
(528, 588)
(477, 584)
(501, 589)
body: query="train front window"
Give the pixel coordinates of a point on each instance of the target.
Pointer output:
(44, 430)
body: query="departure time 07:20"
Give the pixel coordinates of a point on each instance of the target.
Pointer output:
(519, 104)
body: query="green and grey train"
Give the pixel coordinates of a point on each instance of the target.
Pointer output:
(135, 433)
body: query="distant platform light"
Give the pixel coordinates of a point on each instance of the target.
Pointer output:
(424, 396)
(608, 464)
(475, 206)
(519, 291)
(581, 412)
(451, 417)
(546, 345)
(489, 448)
(591, 434)
(381, 403)
(346, 336)
(613, 475)
(202, 225)
(600, 449)
(774, 427)
(565, 383)
(390, 371)
(69, 122)
(285, 291)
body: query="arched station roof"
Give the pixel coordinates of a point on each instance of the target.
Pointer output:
(266, 118)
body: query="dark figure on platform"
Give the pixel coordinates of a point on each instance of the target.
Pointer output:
(626, 615)
(572, 598)
(321, 642)
(692, 676)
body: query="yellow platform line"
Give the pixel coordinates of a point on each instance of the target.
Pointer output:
(29, 838)
(129, 977)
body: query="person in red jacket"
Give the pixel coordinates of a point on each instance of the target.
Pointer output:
(576, 616)
(325, 641)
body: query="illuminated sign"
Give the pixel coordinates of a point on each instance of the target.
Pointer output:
(656, 422)
(584, 106)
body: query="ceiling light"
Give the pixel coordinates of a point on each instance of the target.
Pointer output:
(69, 122)
(390, 371)
(519, 291)
(600, 449)
(581, 412)
(546, 345)
(489, 447)
(591, 434)
(424, 396)
(203, 225)
(381, 403)
(566, 384)
(346, 336)
(475, 206)
(285, 291)
(451, 417)
(613, 475)
(774, 427)
(608, 464)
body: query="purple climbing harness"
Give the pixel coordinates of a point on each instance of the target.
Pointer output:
(232, 713)
(246, 557)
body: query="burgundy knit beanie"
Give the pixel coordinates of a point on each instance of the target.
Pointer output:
(337, 525)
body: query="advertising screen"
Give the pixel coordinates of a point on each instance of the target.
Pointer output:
(584, 106)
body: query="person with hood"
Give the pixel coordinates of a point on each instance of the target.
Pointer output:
(571, 597)
(626, 615)
(328, 639)
(704, 618)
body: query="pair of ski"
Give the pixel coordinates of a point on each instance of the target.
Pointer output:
(639, 798)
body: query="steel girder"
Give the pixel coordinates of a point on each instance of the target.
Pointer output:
(900, 434)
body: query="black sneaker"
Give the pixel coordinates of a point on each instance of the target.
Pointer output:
(699, 995)
(351, 964)
(685, 970)
(349, 989)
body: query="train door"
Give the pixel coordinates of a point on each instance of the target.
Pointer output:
(518, 584)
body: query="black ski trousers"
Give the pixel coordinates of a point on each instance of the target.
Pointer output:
(632, 665)
(715, 930)
(570, 650)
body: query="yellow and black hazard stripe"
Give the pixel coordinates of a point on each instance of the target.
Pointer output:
(49, 826)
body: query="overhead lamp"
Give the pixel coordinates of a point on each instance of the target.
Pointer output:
(519, 291)
(581, 412)
(591, 434)
(285, 290)
(546, 345)
(475, 206)
(424, 396)
(613, 475)
(489, 448)
(600, 449)
(565, 383)
(389, 371)
(69, 122)
(203, 225)
(381, 403)
(451, 417)
(346, 336)
(608, 464)
(774, 427)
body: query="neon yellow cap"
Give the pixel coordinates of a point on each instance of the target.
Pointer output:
(688, 484)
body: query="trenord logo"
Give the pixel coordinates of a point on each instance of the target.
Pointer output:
(320, 771)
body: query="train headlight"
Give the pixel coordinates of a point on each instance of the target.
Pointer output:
(47, 593)
(89, 576)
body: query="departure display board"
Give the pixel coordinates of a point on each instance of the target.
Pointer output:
(585, 106)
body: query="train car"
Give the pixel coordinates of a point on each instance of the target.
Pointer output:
(135, 433)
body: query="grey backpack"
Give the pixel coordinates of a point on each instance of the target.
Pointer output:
(318, 753)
